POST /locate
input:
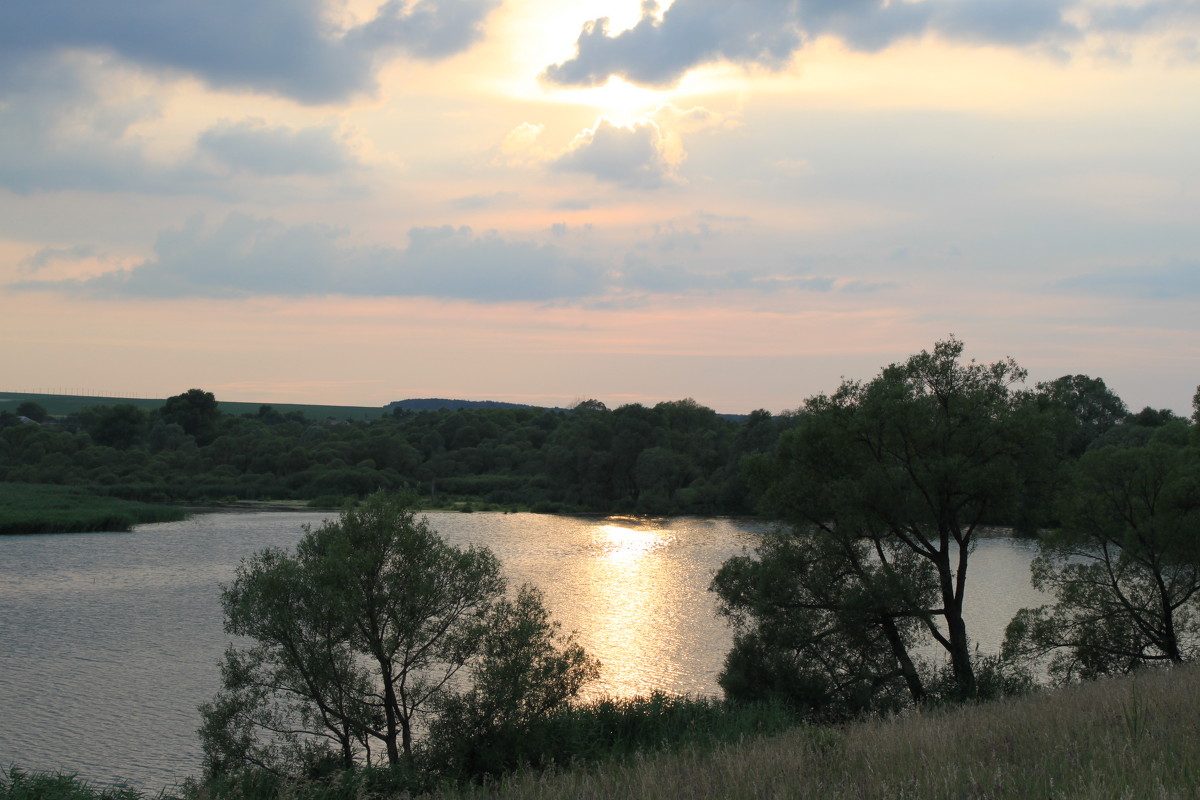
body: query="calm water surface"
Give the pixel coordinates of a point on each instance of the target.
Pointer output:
(109, 641)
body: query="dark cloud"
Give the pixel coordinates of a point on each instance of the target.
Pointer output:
(282, 47)
(660, 49)
(246, 256)
(1180, 279)
(252, 146)
(65, 125)
(58, 130)
(635, 156)
(1135, 18)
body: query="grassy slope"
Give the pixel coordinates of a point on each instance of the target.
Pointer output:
(1136, 737)
(60, 405)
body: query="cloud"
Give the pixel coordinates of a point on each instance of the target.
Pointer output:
(637, 156)
(245, 256)
(253, 146)
(49, 255)
(289, 48)
(691, 120)
(1180, 279)
(71, 124)
(62, 126)
(663, 46)
(520, 146)
(1143, 16)
(477, 202)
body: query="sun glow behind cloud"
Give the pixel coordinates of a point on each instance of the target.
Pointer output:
(544, 33)
(618, 100)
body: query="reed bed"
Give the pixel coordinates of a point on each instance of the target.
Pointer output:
(41, 508)
(1134, 737)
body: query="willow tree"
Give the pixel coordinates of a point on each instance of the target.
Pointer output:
(886, 485)
(359, 640)
(1124, 568)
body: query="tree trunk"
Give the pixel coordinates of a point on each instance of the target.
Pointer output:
(909, 670)
(389, 709)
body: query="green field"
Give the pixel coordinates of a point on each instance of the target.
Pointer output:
(61, 405)
(28, 508)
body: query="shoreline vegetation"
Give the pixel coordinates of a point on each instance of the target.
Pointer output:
(39, 508)
(27, 509)
(1132, 736)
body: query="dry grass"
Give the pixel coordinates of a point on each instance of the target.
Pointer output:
(1135, 737)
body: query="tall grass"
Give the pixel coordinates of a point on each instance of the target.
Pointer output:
(41, 508)
(1135, 737)
(606, 729)
(17, 784)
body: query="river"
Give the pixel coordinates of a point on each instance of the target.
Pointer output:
(109, 641)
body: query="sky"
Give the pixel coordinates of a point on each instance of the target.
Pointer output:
(743, 202)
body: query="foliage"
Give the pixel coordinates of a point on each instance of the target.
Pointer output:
(31, 410)
(886, 484)
(359, 638)
(195, 411)
(18, 784)
(1124, 570)
(1094, 408)
(525, 672)
(62, 509)
(822, 625)
(673, 458)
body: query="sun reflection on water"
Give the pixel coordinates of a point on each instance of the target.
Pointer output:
(633, 605)
(622, 542)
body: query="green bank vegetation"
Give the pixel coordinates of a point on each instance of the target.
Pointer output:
(26, 508)
(1134, 736)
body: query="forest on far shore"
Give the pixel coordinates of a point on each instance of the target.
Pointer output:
(675, 457)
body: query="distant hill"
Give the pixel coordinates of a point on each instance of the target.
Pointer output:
(61, 405)
(440, 403)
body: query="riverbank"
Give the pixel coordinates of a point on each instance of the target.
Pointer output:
(1135, 736)
(44, 508)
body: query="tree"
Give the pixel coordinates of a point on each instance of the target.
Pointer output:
(31, 410)
(891, 480)
(121, 426)
(1094, 407)
(822, 625)
(526, 670)
(195, 411)
(359, 639)
(1124, 569)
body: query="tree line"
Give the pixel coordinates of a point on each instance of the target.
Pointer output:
(672, 458)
